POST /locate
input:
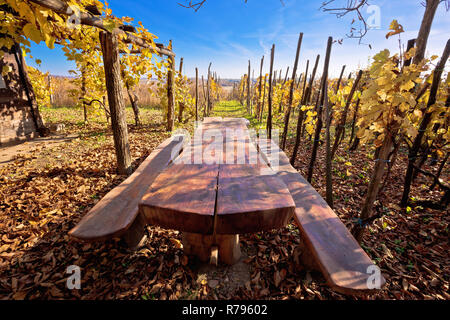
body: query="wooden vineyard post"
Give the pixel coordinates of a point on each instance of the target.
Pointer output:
(181, 103)
(269, 115)
(252, 90)
(275, 82)
(300, 78)
(263, 100)
(438, 173)
(181, 65)
(111, 64)
(340, 129)
(286, 75)
(196, 94)
(304, 81)
(339, 80)
(170, 91)
(83, 93)
(260, 88)
(328, 171)
(240, 91)
(249, 110)
(300, 118)
(424, 31)
(409, 46)
(355, 115)
(208, 84)
(291, 93)
(319, 110)
(301, 114)
(50, 89)
(308, 94)
(413, 152)
(133, 100)
(205, 100)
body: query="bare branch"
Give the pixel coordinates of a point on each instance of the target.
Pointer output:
(196, 5)
(353, 6)
(446, 2)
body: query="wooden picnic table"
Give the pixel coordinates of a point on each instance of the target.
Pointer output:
(217, 189)
(224, 183)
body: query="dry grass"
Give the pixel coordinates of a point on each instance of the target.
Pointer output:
(63, 98)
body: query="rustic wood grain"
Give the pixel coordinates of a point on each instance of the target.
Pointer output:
(245, 199)
(342, 261)
(113, 81)
(204, 246)
(182, 198)
(170, 92)
(250, 202)
(115, 213)
(250, 197)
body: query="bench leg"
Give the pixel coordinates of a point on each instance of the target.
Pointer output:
(135, 236)
(229, 248)
(304, 259)
(200, 245)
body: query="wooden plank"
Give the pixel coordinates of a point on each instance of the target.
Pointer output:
(206, 145)
(182, 198)
(88, 19)
(340, 258)
(116, 212)
(249, 199)
(250, 202)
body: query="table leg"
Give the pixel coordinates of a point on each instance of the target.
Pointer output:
(200, 245)
(303, 257)
(135, 236)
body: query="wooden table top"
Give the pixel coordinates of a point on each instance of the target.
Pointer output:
(218, 184)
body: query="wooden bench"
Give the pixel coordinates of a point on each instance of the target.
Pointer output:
(335, 252)
(117, 214)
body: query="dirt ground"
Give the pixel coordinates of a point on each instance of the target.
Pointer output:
(9, 154)
(46, 190)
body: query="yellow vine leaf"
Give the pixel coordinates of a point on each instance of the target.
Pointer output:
(396, 29)
(32, 32)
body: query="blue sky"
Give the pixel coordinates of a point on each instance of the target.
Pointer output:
(229, 32)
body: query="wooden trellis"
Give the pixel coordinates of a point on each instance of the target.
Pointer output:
(111, 62)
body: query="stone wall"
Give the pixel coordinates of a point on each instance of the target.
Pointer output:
(16, 110)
